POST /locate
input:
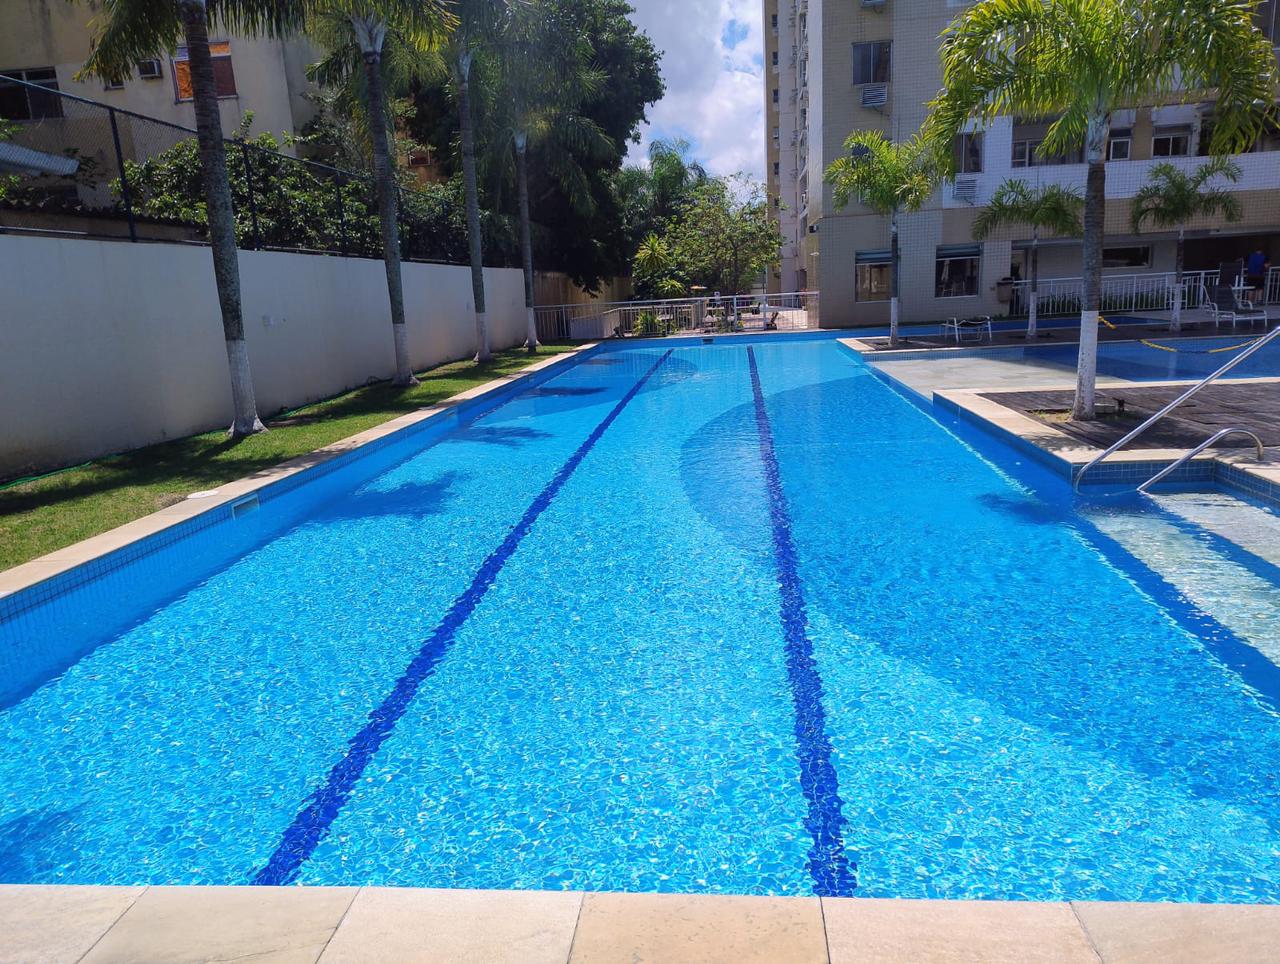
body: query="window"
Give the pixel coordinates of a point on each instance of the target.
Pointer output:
(872, 270)
(955, 273)
(1118, 145)
(149, 69)
(1171, 142)
(775, 58)
(775, 95)
(968, 153)
(223, 75)
(1026, 153)
(871, 62)
(1138, 256)
(774, 21)
(776, 168)
(29, 103)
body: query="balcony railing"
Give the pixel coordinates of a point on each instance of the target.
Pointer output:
(1125, 293)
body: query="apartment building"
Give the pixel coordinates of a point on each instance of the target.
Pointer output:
(834, 66)
(47, 42)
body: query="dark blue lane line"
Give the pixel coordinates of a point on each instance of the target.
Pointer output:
(313, 821)
(833, 873)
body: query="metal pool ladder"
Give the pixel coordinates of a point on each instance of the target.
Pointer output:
(1216, 436)
(1207, 380)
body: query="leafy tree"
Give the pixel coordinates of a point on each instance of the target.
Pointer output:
(891, 179)
(653, 271)
(1081, 60)
(362, 32)
(127, 31)
(589, 242)
(723, 237)
(1050, 207)
(1172, 197)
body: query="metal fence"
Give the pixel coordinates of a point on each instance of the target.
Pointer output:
(792, 311)
(1129, 293)
(82, 168)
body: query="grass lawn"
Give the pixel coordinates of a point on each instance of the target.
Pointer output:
(54, 511)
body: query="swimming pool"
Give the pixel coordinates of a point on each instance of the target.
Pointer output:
(707, 618)
(1195, 358)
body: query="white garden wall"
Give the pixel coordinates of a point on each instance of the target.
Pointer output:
(107, 346)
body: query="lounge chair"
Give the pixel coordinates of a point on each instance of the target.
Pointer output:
(1212, 311)
(963, 327)
(1247, 310)
(1221, 305)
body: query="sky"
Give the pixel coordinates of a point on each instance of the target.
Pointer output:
(713, 66)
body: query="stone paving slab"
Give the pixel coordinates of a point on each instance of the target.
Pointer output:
(393, 924)
(374, 924)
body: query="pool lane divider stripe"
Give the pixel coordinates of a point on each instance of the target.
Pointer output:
(833, 873)
(322, 807)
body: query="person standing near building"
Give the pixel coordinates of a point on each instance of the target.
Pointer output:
(1255, 274)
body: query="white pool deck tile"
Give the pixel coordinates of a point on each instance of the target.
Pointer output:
(373, 925)
(390, 924)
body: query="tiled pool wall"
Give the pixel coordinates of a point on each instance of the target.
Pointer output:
(1228, 476)
(49, 625)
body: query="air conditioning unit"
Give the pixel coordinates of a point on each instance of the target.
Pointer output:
(965, 189)
(875, 95)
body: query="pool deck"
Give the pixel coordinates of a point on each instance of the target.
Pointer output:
(293, 925)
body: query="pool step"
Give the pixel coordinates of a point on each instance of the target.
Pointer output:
(1193, 560)
(1251, 527)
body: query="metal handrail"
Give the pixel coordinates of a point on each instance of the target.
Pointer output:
(1215, 437)
(1208, 379)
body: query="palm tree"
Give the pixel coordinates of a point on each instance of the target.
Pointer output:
(127, 31)
(386, 37)
(1081, 60)
(545, 76)
(1172, 197)
(1049, 208)
(477, 22)
(891, 179)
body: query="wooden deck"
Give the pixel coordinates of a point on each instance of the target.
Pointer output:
(1252, 404)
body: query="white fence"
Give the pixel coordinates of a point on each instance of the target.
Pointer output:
(1151, 291)
(793, 311)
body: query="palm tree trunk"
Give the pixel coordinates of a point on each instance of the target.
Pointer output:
(1175, 323)
(893, 280)
(222, 227)
(526, 238)
(370, 36)
(473, 202)
(1035, 284)
(1095, 211)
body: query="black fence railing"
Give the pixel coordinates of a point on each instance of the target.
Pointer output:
(73, 166)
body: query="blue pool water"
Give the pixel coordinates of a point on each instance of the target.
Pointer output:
(729, 618)
(1195, 358)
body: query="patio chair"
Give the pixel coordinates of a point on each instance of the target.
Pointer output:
(1247, 310)
(963, 327)
(1221, 306)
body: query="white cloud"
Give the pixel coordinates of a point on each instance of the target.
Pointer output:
(715, 93)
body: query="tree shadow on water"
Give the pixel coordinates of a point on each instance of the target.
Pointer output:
(508, 436)
(1024, 509)
(35, 846)
(413, 499)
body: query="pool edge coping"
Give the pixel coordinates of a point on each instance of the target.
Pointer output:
(327, 924)
(31, 573)
(1064, 453)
